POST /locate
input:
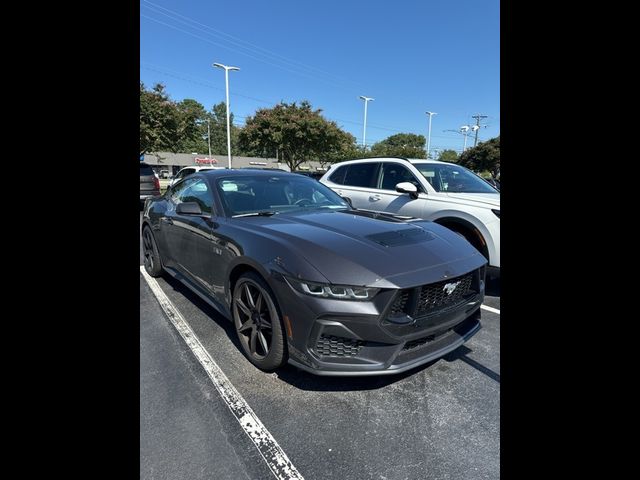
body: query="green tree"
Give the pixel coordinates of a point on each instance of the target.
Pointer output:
(295, 134)
(159, 120)
(218, 116)
(192, 126)
(448, 156)
(483, 157)
(407, 145)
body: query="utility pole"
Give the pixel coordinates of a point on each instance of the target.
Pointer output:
(478, 117)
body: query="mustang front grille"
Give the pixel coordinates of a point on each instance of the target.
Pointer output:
(426, 299)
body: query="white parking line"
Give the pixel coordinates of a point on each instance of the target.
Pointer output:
(273, 455)
(490, 309)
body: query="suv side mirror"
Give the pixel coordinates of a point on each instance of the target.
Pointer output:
(189, 208)
(407, 187)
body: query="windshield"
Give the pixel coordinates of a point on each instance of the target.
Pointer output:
(453, 179)
(244, 194)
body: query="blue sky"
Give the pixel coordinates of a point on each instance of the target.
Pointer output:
(410, 55)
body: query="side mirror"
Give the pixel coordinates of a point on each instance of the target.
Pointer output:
(407, 187)
(189, 208)
(348, 200)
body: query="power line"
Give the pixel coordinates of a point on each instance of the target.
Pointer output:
(333, 84)
(239, 42)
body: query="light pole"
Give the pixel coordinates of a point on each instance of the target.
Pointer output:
(364, 131)
(209, 135)
(226, 80)
(431, 114)
(464, 129)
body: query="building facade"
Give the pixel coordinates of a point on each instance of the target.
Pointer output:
(173, 162)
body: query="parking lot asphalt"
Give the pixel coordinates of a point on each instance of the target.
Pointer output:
(439, 421)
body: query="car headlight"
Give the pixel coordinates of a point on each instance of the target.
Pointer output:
(497, 212)
(336, 292)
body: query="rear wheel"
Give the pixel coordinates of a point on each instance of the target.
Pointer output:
(257, 322)
(152, 263)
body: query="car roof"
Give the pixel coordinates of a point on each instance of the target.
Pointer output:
(410, 160)
(247, 173)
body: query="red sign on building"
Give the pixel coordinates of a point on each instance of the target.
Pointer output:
(205, 161)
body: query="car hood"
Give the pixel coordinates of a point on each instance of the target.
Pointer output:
(485, 199)
(365, 248)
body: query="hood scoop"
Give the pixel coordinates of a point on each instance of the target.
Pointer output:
(397, 238)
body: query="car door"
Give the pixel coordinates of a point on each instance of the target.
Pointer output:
(385, 198)
(197, 246)
(356, 182)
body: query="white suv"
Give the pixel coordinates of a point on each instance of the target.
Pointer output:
(442, 192)
(188, 171)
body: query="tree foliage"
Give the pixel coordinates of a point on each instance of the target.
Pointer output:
(159, 120)
(407, 145)
(171, 126)
(295, 134)
(448, 155)
(483, 157)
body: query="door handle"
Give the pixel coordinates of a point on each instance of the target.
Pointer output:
(375, 198)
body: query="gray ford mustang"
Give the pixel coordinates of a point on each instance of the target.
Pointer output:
(306, 279)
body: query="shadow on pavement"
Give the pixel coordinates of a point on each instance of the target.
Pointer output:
(461, 354)
(204, 307)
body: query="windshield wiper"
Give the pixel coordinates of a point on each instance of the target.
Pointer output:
(265, 213)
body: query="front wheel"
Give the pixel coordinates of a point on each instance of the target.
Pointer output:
(257, 322)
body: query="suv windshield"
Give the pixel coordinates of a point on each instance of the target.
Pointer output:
(453, 179)
(245, 194)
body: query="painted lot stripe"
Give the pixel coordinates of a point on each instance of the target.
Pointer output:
(487, 308)
(273, 455)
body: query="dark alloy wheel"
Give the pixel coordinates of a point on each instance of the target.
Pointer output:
(257, 322)
(152, 263)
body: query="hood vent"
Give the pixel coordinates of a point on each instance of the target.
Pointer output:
(397, 238)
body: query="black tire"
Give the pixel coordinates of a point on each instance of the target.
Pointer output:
(471, 238)
(257, 322)
(152, 261)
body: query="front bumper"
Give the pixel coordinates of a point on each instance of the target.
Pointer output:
(352, 338)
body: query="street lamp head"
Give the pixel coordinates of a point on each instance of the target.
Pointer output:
(219, 65)
(431, 113)
(366, 99)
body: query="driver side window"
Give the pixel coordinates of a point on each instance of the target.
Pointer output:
(197, 191)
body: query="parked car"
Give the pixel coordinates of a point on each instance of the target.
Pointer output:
(183, 172)
(312, 174)
(149, 183)
(306, 279)
(442, 192)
